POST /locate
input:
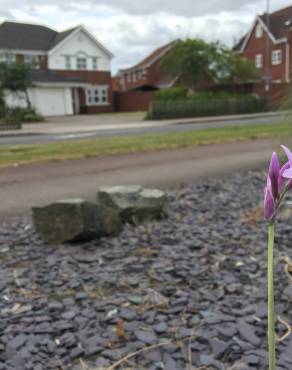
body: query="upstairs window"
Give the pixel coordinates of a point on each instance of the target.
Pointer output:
(259, 31)
(259, 61)
(94, 63)
(7, 58)
(276, 57)
(81, 63)
(67, 62)
(33, 60)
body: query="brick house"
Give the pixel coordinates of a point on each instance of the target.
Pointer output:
(146, 75)
(70, 69)
(268, 44)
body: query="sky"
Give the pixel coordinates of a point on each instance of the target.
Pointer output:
(131, 29)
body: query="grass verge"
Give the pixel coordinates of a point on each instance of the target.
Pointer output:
(120, 145)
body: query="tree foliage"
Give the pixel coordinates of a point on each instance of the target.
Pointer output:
(16, 77)
(195, 61)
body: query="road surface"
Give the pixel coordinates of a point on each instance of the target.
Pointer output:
(161, 127)
(24, 186)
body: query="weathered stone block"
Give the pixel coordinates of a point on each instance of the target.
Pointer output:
(134, 203)
(75, 220)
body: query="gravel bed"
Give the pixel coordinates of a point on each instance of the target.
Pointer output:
(191, 287)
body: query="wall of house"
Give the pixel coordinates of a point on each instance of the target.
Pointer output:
(134, 101)
(256, 46)
(93, 78)
(79, 44)
(48, 101)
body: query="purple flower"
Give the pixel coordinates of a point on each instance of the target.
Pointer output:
(282, 181)
(269, 203)
(273, 175)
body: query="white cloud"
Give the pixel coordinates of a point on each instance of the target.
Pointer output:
(131, 29)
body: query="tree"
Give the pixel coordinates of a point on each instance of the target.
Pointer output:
(196, 61)
(16, 77)
(191, 61)
(234, 68)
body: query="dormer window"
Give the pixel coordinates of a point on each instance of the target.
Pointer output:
(81, 63)
(259, 31)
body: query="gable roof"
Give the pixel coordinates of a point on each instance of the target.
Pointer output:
(278, 22)
(23, 36)
(151, 58)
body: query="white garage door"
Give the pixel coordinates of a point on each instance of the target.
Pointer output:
(52, 101)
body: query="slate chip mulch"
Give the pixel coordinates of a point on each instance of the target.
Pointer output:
(192, 287)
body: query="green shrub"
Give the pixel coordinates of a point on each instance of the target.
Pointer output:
(172, 93)
(163, 109)
(22, 114)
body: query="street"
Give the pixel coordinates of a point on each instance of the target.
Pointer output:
(24, 186)
(130, 128)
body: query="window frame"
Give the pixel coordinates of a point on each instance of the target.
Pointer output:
(81, 66)
(259, 60)
(259, 31)
(276, 61)
(68, 62)
(95, 63)
(97, 95)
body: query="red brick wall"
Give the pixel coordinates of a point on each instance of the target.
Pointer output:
(95, 78)
(256, 46)
(278, 94)
(133, 101)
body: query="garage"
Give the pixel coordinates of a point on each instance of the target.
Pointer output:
(52, 101)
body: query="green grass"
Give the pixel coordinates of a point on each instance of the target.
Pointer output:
(121, 145)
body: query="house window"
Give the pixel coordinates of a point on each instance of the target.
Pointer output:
(259, 31)
(129, 77)
(134, 76)
(67, 62)
(259, 61)
(97, 95)
(94, 63)
(7, 58)
(33, 60)
(81, 63)
(276, 57)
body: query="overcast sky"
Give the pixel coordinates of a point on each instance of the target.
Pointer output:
(133, 28)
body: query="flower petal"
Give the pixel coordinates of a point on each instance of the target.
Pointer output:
(274, 170)
(287, 174)
(281, 179)
(269, 205)
(288, 154)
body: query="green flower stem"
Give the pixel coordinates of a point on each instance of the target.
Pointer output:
(271, 309)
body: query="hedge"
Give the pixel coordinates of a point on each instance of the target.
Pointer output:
(187, 108)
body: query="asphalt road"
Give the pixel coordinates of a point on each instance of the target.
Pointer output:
(24, 186)
(160, 128)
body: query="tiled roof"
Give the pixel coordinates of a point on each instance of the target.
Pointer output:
(24, 36)
(151, 58)
(48, 76)
(280, 22)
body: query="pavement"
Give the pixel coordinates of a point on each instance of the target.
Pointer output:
(24, 186)
(86, 126)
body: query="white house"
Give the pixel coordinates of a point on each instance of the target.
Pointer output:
(71, 69)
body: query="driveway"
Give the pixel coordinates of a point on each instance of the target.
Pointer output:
(24, 186)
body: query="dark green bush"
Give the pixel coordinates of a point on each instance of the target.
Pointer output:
(185, 108)
(172, 93)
